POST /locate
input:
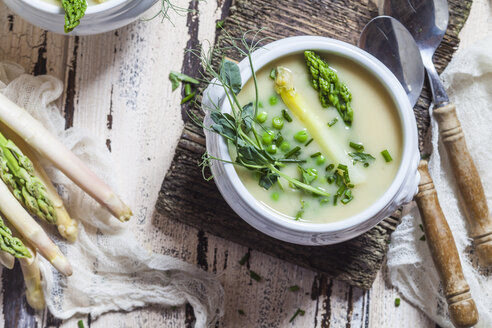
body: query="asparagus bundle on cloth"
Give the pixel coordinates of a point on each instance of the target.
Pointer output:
(43, 142)
(66, 226)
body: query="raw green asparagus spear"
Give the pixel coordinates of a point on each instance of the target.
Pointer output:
(74, 11)
(17, 171)
(10, 244)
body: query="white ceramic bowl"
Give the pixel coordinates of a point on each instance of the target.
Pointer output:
(99, 18)
(401, 191)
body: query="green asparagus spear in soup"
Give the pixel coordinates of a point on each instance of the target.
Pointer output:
(17, 171)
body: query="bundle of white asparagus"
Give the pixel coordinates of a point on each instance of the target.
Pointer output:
(26, 191)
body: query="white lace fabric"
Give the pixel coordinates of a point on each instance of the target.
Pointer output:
(111, 270)
(468, 82)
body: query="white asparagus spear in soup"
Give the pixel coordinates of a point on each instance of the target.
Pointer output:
(31, 231)
(66, 226)
(48, 146)
(324, 137)
(7, 260)
(32, 278)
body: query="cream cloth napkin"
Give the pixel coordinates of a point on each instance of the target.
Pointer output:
(468, 81)
(111, 271)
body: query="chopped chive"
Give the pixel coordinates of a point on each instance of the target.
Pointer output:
(345, 201)
(294, 288)
(293, 151)
(335, 198)
(188, 98)
(80, 324)
(342, 167)
(273, 73)
(279, 141)
(422, 238)
(356, 146)
(330, 167)
(425, 156)
(241, 312)
(332, 122)
(386, 155)
(315, 154)
(244, 259)
(254, 275)
(286, 116)
(187, 89)
(350, 185)
(397, 302)
(309, 141)
(298, 312)
(421, 227)
(330, 179)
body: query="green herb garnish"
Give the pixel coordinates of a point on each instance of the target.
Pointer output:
(386, 155)
(331, 91)
(356, 146)
(188, 98)
(300, 213)
(244, 259)
(273, 73)
(397, 302)
(176, 77)
(254, 275)
(239, 127)
(361, 157)
(308, 175)
(80, 324)
(294, 288)
(298, 312)
(315, 155)
(309, 142)
(286, 115)
(293, 151)
(333, 122)
(219, 24)
(422, 238)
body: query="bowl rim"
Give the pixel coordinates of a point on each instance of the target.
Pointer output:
(297, 44)
(55, 9)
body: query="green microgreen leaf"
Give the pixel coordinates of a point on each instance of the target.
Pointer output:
(231, 76)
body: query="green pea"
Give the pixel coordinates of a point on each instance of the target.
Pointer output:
(275, 196)
(285, 146)
(301, 136)
(261, 117)
(278, 123)
(260, 104)
(267, 137)
(272, 149)
(273, 100)
(320, 160)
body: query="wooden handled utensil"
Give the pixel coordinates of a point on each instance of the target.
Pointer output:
(469, 184)
(427, 21)
(461, 307)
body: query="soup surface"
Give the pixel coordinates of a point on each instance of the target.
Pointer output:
(89, 2)
(375, 125)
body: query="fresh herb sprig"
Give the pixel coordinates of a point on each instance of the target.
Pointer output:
(240, 126)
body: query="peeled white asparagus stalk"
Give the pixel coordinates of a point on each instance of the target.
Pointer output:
(7, 260)
(48, 146)
(66, 226)
(324, 137)
(31, 230)
(32, 278)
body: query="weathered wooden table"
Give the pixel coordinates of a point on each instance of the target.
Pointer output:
(116, 86)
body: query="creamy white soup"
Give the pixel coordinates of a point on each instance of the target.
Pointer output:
(374, 128)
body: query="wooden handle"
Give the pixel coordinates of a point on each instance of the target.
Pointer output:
(469, 184)
(462, 308)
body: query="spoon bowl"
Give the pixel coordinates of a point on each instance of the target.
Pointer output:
(389, 41)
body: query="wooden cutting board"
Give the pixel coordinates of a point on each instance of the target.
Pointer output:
(186, 197)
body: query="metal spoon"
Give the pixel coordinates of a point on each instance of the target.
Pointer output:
(389, 41)
(427, 21)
